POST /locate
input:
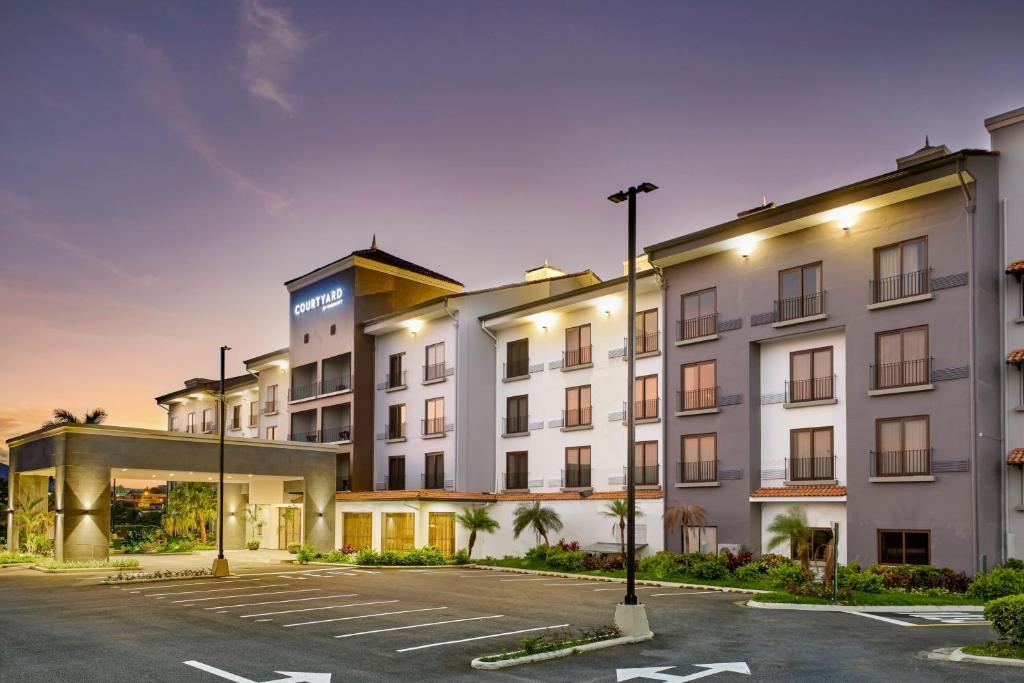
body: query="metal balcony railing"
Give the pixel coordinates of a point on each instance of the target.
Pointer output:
(308, 437)
(643, 475)
(433, 372)
(297, 393)
(901, 463)
(254, 419)
(699, 471)
(432, 480)
(904, 373)
(332, 434)
(269, 407)
(696, 399)
(576, 476)
(394, 431)
(516, 480)
(800, 306)
(811, 468)
(342, 382)
(209, 427)
(646, 409)
(395, 483)
(643, 343)
(519, 424)
(812, 389)
(433, 425)
(900, 286)
(575, 357)
(394, 380)
(576, 417)
(695, 328)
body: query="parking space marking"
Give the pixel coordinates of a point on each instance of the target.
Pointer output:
(364, 616)
(623, 587)
(313, 609)
(277, 602)
(281, 572)
(543, 579)
(493, 635)
(248, 595)
(183, 585)
(658, 595)
(879, 617)
(585, 583)
(364, 571)
(937, 618)
(216, 590)
(433, 623)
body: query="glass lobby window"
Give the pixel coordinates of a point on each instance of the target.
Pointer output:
(441, 533)
(357, 530)
(399, 531)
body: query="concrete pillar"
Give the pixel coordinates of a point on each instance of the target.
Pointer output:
(234, 516)
(318, 503)
(83, 496)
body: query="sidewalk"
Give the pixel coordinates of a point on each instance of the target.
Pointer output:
(203, 559)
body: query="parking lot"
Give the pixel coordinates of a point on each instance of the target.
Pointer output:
(427, 624)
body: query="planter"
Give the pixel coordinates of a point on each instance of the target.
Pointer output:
(478, 663)
(905, 609)
(110, 582)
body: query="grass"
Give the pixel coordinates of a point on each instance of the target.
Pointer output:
(535, 645)
(888, 598)
(16, 558)
(50, 563)
(995, 648)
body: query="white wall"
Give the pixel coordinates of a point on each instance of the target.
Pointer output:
(279, 375)
(818, 515)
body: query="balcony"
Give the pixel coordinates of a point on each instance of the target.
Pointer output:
(433, 373)
(799, 307)
(697, 472)
(307, 437)
(394, 431)
(303, 391)
(335, 384)
(576, 477)
(643, 475)
(895, 288)
(432, 426)
(701, 327)
(643, 410)
(394, 380)
(333, 434)
(516, 481)
(643, 344)
(432, 480)
(810, 390)
(576, 417)
(812, 468)
(254, 419)
(209, 427)
(577, 358)
(512, 426)
(519, 369)
(901, 375)
(269, 407)
(693, 401)
(890, 464)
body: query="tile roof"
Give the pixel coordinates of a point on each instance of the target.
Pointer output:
(1016, 457)
(428, 494)
(798, 491)
(1016, 356)
(1015, 267)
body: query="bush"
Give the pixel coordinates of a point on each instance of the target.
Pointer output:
(661, 564)
(734, 560)
(567, 545)
(566, 560)
(427, 555)
(537, 553)
(911, 577)
(1014, 563)
(367, 556)
(305, 554)
(1007, 617)
(749, 571)
(853, 579)
(461, 556)
(253, 544)
(708, 566)
(769, 560)
(349, 549)
(787, 576)
(334, 556)
(607, 563)
(293, 548)
(997, 583)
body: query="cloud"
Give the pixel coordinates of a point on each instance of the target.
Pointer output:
(16, 421)
(271, 45)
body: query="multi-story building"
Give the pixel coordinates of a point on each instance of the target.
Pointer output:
(193, 409)
(270, 410)
(839, 349)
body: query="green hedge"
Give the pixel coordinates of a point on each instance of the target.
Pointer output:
(426, 555)
(999, 582)
(1007, 617)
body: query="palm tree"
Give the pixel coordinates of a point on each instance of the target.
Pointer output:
(31, 518)
(474, 520)
(66, 417)
(190, 507)
(539, 518)
(791, 527)
(686, 516)
(619, 509)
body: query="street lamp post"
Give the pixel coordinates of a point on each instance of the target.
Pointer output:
(630, 615)
(220, 565)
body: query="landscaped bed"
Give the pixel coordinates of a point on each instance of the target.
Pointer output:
(553, 645)
(888, 598)
(150, 577)
(996, 649)
(16, 558)
(48, 564)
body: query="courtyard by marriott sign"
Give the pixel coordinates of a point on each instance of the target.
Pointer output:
(321, 302)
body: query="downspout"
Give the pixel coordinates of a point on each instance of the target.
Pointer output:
(970, 206)
(459, 413)
(494, 340)
(1004, 480)
(659, 275)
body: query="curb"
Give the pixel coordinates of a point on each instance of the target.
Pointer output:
(478, 663)
(958, 655)
(108, 582)
(76, 570)
(379, 566)
(884, 609)
(615, 579)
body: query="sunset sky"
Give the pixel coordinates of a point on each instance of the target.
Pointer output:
(165, 167)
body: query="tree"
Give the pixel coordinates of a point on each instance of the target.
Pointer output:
(619, 509)
(791, 527)
(473, 520)
(191, 506)
(686, 516)
(537, 517)
(31, 518)
(254, 519)
(66, 417)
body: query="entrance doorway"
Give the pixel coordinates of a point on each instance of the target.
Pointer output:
(289, 527)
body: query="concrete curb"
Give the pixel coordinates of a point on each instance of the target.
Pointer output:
(79, 570)
(884, 609)
(615, 579)
(958, 655)
(108, 582)
(380, 566)
(478, 663)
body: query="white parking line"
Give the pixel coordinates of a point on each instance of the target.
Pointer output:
(544, 579)
(585, 583)
(655, 595)
(183, 585)
(216, 590)
(276, 602)
(296, 578)
(281, 572)
(364, 616)
(364, 571)
(433, 623)
(494, 635)
(248, 595)
(881, 618)
(313, 609)
(623, 587)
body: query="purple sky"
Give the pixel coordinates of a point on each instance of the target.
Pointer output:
(164, 167)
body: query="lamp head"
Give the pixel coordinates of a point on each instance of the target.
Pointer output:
(647, 187)
(618, 197)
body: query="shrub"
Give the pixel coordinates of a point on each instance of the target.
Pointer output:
(349, 549)
(1007, 617)
(819, 590)
(416, 556)
(305, 554)
(788, 575)
(293, 548)
(1014, 563)
(461, 556)
(334, 556)
(566, 560)
(253, 544)
(910, 577)
(853, 579)
(734, 560)
(367, 556)
(537, 553)
(749, 571)
(709, 567)
(568, 545)
(769, 560)
(997, 583)
(661, 564)
(603, 563)
(422, 556)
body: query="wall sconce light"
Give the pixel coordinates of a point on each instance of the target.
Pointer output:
(59, 511)
(10, 511)
(414, 326)
(232, 513)
(543, 320)
(321, 514)
(745, 245)
(845, 216)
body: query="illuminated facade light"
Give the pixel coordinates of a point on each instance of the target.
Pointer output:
(845, 216)
(745, 245)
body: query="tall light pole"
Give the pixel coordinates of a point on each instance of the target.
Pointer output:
(630, 616)
(220, 565)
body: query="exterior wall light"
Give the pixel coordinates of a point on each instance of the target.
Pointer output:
(543, 320)
(845, 216)
(59, 511)
(745, 245)
(414, 326)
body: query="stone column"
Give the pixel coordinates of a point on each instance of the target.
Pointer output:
(318, 503)
(83, 496)
(234, 516)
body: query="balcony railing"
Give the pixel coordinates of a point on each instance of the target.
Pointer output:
(394, 431)
(433, 372)
(432, 480)
(901, 286)
(800, 306)
(811, 468)
(254, 419)
(209, 427)
(342, 382)
(576, 417)
(520, 424)
(695, 328)
(345, 484)
(643, 475)
(190, 429)
(576, 476)
(516, 480)
(269, 407)
(433, 425)
(699, 471)
(575, 357)
(643, 343)
(901, 463)
(331, 434)
(696, 399)
(297, 393)
(904, 373)
(646, 409)
(811, 389)
(519, 368)
(394, 380)
(235, 424)
(309, 437)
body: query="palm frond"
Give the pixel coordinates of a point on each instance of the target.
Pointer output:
(96, 416)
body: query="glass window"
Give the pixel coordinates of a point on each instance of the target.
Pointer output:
(820, 538)
(800, 292)
(703, 539)
(271, 433)
(810, 375)
(577, 406)
(517, 415)
(517, 358)
(700, 458)
(904, 547)
(699, 386)
(577, 346)
(396, 370)
(901, 358)
(516, 470)
(441, 534)
(396, 421)
(434, 422)
(901, 270)
(700, 311)
(646, 331)
(434, 471)
(903, 447)
(396, 473)
(399, 531)
(645, 460)
(645, 395)
(434, 368)
(810, 454)
(357, 530)
(577, 467)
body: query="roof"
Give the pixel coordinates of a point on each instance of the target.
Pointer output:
(265, 356)
(433, 494)
(1016, 457)
(1016, 356)
(607, 548)
(380, 256)
(1003, 120)
(581, 292)
(799, 492)
(1015, 268)
(212, 385)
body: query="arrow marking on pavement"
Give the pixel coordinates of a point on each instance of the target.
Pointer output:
(289, 676)
(655, 673)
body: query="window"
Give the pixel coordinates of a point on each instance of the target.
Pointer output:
(800, 293)
(577, 467)
(254, 413)
(270, 405)
(646, 331)
(516, 470)
(271, 433)
(901, 358)
(305, 338)
(700, 539)
(441, 533)
(396, 422)
(357, 530)
(190, 423)
(820, 538)
(334, 328)
(577, 406)
(903, 447)
(208, 425)
(901, 270)
(236, 416)
(645, 462)
(396, 372)
(434, 422)
(173, 426)
(399, 531)
(699, 386)
(700, 315)
(577, 347)
(433, 477)
(700, 458)
(517, 358)
(396, 473)
(645, 396)
(517, 419)
(904, 547)
(810, 454)
(434, 368)
(810, 375)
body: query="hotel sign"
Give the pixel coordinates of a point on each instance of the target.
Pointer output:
(321, 302)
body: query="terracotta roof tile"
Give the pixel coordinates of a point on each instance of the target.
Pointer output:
(1016, 457)
(1015, 267)
(1016, 356)
(641, 494)
(798, 491)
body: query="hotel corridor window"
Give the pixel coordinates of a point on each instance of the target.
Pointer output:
(434, 367)
(800, 293)
(810, 375)
(901, 358)
(577, 346)
(645, 396)
(517, 358)
(577, 407)
(700, 315)
(699, 390)
(646, 340)
(901, 270)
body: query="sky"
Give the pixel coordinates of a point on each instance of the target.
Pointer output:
(165, 167)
